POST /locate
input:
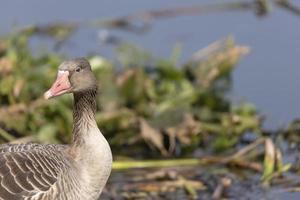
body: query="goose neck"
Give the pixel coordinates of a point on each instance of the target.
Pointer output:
(83, 114)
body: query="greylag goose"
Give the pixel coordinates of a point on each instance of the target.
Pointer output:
(61, 172)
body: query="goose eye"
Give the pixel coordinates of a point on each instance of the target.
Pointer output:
(78, 69)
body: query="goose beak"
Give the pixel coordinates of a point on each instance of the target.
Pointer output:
(60, 86)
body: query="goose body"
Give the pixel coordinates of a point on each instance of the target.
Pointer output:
(78, 171)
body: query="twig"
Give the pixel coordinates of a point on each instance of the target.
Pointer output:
(209, 50)
(140, 22)
(293, 189)
(246, 149)
(121, 165)
(288, 6)
(255, 166)
(224, 183)
(155, 163)
(127, 22)
(6, 135)
(234, 159)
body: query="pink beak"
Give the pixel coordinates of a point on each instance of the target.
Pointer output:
(60, 86)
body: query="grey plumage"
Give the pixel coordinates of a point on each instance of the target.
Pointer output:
(63, 172)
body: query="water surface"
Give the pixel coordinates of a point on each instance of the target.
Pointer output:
(268, 77)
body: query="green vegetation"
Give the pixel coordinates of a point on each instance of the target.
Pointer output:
(148, 107)
(173, 122)
(147, 100)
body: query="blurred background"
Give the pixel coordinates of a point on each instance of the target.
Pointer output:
(213, 84)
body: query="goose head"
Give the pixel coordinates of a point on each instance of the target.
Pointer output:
(73, 76)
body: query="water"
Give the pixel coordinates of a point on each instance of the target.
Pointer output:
(269, 77)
